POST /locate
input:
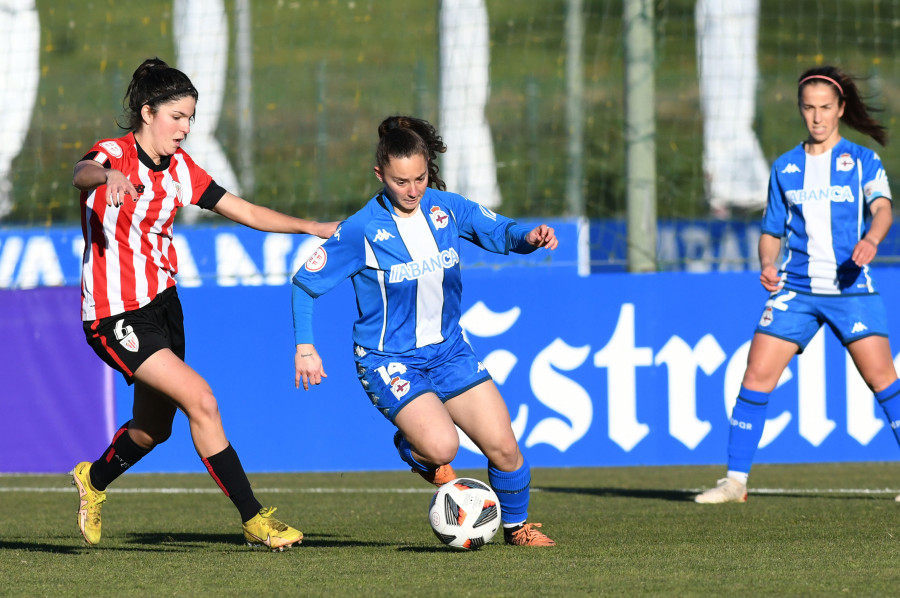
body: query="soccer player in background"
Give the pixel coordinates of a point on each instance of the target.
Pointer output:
(131, 188)
(402, 253)
(830, 200)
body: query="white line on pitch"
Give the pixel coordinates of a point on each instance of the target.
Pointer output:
(863, 491)
(217, 491)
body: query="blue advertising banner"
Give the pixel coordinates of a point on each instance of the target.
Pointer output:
(606, 370)
(599, 370)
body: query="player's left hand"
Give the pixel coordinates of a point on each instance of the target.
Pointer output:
(307, 367)
(542, 236)
(325, 230)
(864, 252)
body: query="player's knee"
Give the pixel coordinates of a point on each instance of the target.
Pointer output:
(504, 453)
(203, 406)
(440, 451)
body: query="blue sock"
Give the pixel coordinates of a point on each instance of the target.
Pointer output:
(889, 399)
(512, 488)
(747, 421)
(405, 450)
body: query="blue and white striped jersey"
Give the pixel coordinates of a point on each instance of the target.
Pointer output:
(405, 271)
(821, 204)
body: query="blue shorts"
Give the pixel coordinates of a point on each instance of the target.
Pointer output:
(392, 381)
(796, 317)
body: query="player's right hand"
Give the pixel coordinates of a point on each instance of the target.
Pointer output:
(308, 367)
(117, 187)
(770, 280)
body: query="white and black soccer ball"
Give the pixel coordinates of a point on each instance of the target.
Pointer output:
(464, 514)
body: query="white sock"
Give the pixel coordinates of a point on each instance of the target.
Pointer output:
(739, 476)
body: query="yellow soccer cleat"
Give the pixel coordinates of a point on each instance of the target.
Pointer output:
(91, 501)
(265, 530)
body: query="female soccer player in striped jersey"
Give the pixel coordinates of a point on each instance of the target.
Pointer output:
(830, 201)
(131, 188)
(402, 253)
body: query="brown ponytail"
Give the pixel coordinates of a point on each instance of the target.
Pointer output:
(405, 136)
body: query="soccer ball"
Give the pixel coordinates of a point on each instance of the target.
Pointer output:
(464, 514)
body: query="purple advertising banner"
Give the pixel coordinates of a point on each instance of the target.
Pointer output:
(56, 397)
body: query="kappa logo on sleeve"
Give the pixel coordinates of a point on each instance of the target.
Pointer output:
(487, 212)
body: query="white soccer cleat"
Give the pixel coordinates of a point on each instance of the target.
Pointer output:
(726, 490)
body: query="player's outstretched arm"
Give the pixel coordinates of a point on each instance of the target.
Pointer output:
(542, 236)
(262, 218)
(308, 367)
(89, 175)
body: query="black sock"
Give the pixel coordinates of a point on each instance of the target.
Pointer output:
(225, 468)
(121, 454)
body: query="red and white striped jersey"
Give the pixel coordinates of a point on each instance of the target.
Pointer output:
(129, 257)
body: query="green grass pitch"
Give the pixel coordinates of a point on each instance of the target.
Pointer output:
(807, 530)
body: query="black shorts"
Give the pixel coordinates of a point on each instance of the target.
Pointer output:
(126, 340)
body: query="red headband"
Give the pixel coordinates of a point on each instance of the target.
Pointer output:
(829, 79)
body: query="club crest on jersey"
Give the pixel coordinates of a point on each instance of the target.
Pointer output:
(438, 217)
(844, 162)
(399, 386)
(317, 260)
(112, 148)
(126, 336)
(767, 316)
(179, 192)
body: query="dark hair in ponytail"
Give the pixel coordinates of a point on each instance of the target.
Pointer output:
(152, 84)
(856, 110)
(405, 136)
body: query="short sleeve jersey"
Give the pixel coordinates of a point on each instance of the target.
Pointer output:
(129, 257)
(820, 204)
(405, 271)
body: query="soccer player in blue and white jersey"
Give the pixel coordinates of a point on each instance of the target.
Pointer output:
(830, 204)
(402, 253)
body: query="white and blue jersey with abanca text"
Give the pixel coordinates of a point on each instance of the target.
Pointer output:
(406, 271)
(820, 205)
